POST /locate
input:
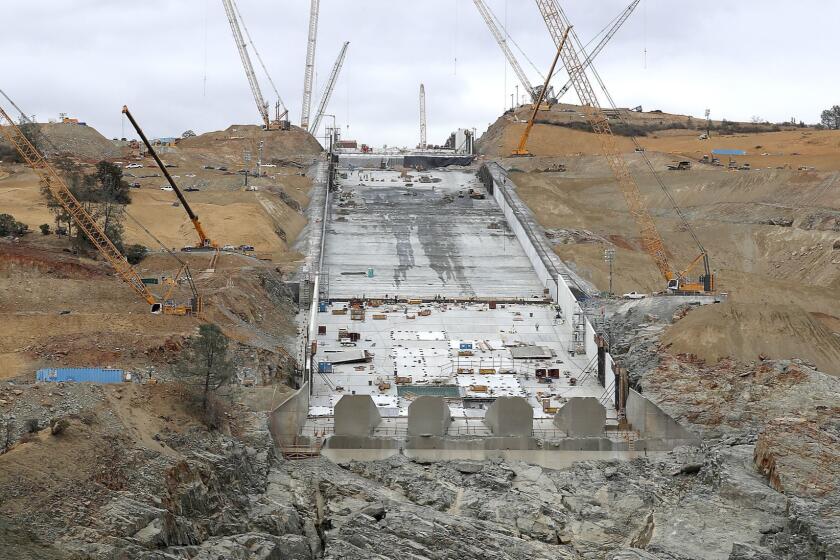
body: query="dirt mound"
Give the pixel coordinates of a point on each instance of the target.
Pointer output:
(747, 332)
(679, 137)
(82, 141)
(229, 144)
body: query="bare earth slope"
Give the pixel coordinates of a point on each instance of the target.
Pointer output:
(771, 232)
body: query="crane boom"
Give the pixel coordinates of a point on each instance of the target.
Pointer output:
(23, 117)
(503, 44)
(83, 220)
(242, 46)
(422, 117)
(325, 100)
(523, 141)
(309, 70)
(558, 26)
(622, 17)
(204, 241)
(260, 60)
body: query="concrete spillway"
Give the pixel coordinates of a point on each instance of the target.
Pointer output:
(423, 240)
(447, 327)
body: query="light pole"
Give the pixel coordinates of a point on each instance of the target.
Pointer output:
(609, 257)
(247, 157)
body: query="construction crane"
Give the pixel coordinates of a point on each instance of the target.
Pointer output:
(85, 222)
(309, 70)
(325, 100)
(503, 44)
(619, 21)
(262, 106)
(23, 118)
(422, 117)
(280, 117)
(203, 241)
(677, 281)
(521, 150)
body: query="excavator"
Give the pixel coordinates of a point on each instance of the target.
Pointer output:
(94, 232)
(677, 280)
(204, 242)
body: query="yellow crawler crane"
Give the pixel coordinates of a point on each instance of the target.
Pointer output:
(84, 221)
(677, 281)
(521, 150)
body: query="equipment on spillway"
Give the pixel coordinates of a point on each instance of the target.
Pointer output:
(94, 232)
(521, 150)
(677, 281)
(423, 144)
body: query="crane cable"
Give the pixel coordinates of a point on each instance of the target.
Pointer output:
(257, 53)
(643, 153)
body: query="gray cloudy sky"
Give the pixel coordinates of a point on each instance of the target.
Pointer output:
(175, 64)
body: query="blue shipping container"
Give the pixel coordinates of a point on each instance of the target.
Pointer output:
(324, 367)
(322, 307)
(80, 375)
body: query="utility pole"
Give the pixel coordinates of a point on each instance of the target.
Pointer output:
(247, 157)
(259, 159)
(609, 257)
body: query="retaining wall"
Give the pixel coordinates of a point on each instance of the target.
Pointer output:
(552, 272)
(286, 421)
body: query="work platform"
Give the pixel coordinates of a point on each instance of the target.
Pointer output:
(463, 352)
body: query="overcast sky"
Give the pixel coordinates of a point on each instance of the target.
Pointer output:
(175, 64)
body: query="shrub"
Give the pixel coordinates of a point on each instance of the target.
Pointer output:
(10, 226)
(58, 426)
(31, 426)
(45, 229)
(135, 253)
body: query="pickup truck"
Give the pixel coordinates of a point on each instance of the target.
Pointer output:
(633, 295)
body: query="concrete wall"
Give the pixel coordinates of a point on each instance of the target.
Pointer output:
(652, 423)
(581, 417)
(356, 415)
(550, 269)
(510, 416)
(428, 416)
(286, 421)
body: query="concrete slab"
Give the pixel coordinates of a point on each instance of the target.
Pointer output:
(422, 241)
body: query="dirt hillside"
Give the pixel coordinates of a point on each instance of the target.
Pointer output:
(771, 232)
(747, 332)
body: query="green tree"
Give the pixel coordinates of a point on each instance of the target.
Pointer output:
(831, 118)
(45, 229)
(10, 226)
(135, 253)
(205, 363)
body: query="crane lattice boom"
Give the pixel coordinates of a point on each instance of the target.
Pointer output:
(83, 220)
(623, 17)
(423, 143)
(651, 240)
(325, 100)
(262, 64)
(503, 44)
(242, 46)
(309, 70)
